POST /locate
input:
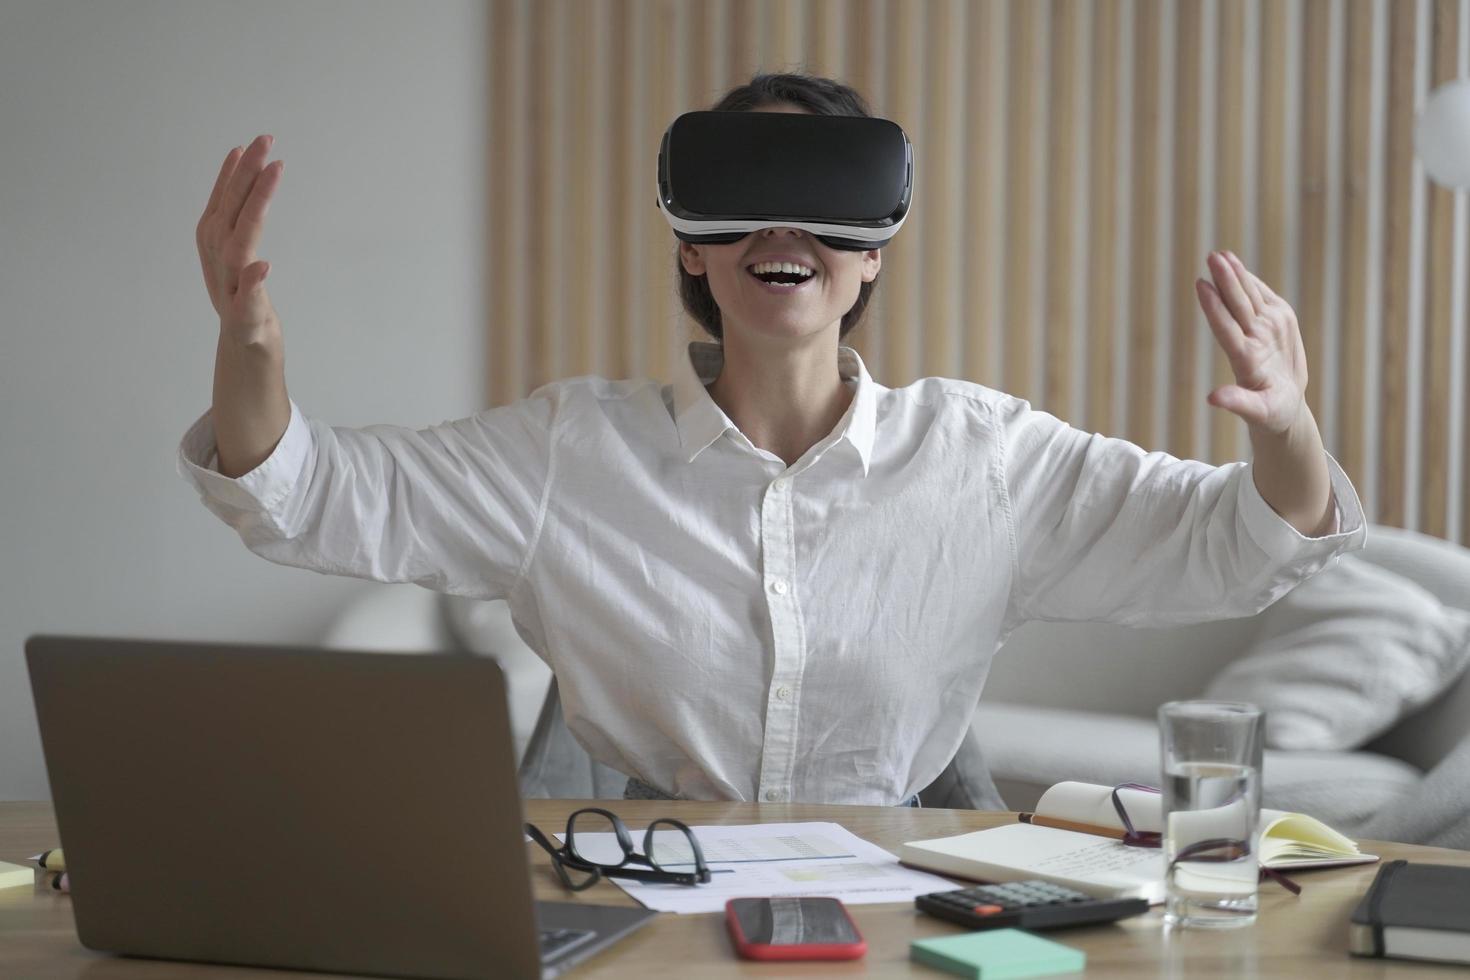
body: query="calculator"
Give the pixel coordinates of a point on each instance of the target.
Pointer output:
(1033, 904)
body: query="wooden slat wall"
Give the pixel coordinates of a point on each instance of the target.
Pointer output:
(1076, 160)
(1138, 331)
(1395, 264)
(1444, 66)
(1185, 220)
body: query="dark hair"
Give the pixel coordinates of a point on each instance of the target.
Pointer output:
(817, 95)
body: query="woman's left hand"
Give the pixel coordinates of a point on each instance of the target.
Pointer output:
(1258, 332)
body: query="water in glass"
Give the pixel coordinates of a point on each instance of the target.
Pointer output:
(1210, 843)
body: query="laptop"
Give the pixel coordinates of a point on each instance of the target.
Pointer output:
(302, 808)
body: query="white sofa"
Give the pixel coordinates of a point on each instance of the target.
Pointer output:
(1078, 701)
(1063, 701)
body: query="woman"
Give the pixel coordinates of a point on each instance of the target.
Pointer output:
(774, 579)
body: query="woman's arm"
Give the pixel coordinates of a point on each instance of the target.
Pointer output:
(1106, 531)
(250, 407)
(1291, 474)
(454, 507)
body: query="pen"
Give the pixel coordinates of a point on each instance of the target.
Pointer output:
(1038, 820)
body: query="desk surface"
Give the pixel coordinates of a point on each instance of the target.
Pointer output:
(1303, 937)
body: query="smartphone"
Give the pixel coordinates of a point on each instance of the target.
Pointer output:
(793, 929)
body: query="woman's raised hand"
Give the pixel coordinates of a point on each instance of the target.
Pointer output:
(1258, 332)
(227, 235)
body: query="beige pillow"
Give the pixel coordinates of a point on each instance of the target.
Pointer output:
(1345, 655)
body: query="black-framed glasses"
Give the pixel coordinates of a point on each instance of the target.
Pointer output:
(599, 845)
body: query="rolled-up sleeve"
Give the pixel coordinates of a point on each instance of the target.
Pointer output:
(454, 507)
(1104, 531)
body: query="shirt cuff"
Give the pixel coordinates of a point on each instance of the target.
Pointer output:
(263, 487)
(1283, 542)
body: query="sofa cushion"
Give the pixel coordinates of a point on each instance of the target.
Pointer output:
(1031, 748)
(1345, 655)
(485, 628)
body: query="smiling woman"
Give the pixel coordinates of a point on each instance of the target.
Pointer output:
(776, 93)
(773, 578)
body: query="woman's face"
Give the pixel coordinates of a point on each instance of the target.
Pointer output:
(749, 306)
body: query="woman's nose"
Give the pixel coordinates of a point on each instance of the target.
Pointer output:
(776, 232)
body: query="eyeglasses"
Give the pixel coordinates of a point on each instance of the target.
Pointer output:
(1215, 849)
(599, 845)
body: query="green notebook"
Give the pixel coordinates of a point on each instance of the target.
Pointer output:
(997, 954)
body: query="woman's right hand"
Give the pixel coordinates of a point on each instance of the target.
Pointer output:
(227, 235)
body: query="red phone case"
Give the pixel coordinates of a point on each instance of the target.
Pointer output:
(800, 951)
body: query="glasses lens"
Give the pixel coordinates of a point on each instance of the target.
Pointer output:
(669, 848)
(594, 840)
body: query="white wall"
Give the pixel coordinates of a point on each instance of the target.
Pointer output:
(114, 119)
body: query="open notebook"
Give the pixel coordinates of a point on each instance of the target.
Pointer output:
(1089, 855)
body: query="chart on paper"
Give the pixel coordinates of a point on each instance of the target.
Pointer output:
(784, 860)
(731, 849)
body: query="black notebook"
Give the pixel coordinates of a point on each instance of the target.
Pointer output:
(1416, 911)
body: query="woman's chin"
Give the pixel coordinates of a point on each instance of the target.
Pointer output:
(789, 327)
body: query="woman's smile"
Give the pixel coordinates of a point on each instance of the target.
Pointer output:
(782, 274)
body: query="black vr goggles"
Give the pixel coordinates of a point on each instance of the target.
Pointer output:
(847, 180)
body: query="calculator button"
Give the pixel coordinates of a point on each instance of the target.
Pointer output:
(987, 910)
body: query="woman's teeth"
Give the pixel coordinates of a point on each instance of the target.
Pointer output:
(797, 268)
(785, 275)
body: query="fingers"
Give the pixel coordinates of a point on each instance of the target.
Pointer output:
(250, 305)
(243, 179)
(1247, 281)
(203, 232)
(232, 159)
(234, 218)
(1250, 405)
(1267, 293)
(1227, 331)
(1237, 301)
(253, 277)
(251, 223)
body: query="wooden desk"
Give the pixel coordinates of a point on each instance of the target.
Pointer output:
(1302, 937)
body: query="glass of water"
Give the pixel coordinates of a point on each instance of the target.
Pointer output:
(1211, 761)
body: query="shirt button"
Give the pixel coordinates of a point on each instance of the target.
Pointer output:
(783, 693)
(780, 483)
(774, 795)
(779, 586)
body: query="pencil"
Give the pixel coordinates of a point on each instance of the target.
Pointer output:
(1082, 828)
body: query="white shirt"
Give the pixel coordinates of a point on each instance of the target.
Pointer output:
(724, 626)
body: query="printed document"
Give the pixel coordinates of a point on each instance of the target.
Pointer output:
(786, 859)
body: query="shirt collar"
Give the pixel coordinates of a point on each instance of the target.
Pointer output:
(700, 421)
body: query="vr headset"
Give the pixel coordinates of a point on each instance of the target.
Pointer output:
(847, 180)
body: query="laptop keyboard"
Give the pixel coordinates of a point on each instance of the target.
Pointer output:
(556, 942)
